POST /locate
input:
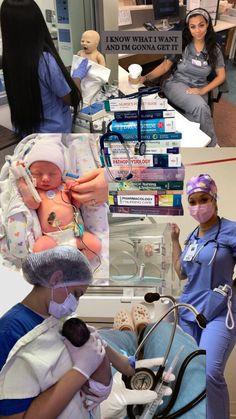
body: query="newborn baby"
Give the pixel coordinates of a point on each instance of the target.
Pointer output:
(89, 42)
(58, 212)
(77, 332)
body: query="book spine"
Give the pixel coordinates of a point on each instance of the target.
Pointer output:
(132, 115)
(152, 147)
(148, 126)
(147, 174)
(119, 151)
(146, 192)
(143, 186)
(156, 136)
(146, 210)
(146, 200)
(128, 104)
(169, 135)
(155, 160)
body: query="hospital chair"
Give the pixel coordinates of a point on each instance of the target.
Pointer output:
(213, 97)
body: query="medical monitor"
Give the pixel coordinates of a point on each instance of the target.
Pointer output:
(163, 9)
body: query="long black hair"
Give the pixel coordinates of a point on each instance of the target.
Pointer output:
(25, 37)
(210, 38)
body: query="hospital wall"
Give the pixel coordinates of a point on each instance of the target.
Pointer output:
(220, 163)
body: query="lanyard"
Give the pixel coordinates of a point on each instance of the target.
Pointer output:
(206, 243)
(140, 146)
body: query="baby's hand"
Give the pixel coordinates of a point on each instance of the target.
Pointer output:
(70, 183)
(74, 196)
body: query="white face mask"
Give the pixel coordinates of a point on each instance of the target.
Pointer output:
(64, 309)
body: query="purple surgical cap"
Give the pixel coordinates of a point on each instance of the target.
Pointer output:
(202, 183)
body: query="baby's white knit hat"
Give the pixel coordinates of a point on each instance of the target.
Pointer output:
(47, 148)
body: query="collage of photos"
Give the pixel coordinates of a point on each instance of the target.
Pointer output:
(117, 209)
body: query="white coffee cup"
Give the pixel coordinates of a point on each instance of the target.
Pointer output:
(135, 71)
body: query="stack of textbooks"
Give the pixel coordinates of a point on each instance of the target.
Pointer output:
(157, 183)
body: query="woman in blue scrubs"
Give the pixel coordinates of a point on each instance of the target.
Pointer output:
(33, 352)
(207, 262)
(187, 87)
(39, 88)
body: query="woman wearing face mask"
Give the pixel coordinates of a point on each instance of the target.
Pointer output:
(40, 375)
(207, 262)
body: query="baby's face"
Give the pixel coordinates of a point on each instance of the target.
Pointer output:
(89, 42)
(47, 175)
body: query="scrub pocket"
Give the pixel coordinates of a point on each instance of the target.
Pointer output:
(215, 305)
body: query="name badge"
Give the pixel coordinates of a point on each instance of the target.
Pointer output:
(196, 62)
(191, 251)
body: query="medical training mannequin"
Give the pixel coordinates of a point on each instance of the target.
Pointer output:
(207, 261)
(89, 42)
(188, 87)
(41, 101)
(58, 211)
(53, 370)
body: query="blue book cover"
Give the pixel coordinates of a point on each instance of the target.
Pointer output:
(93, 108)
(92, 112)
(149, 127)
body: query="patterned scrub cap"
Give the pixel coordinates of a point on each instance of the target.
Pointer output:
(202, 183)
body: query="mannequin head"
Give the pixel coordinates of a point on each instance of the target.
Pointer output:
(89, 41)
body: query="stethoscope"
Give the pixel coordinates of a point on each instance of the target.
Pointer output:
(214, 240)
(145, 378)
(140, 146)
(104, 156)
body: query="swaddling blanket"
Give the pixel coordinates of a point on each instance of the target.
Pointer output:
(19, 226)
(91, 85)
(38, 360)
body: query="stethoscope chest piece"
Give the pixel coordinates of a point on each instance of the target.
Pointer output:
(140, 148)
(143, 379)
